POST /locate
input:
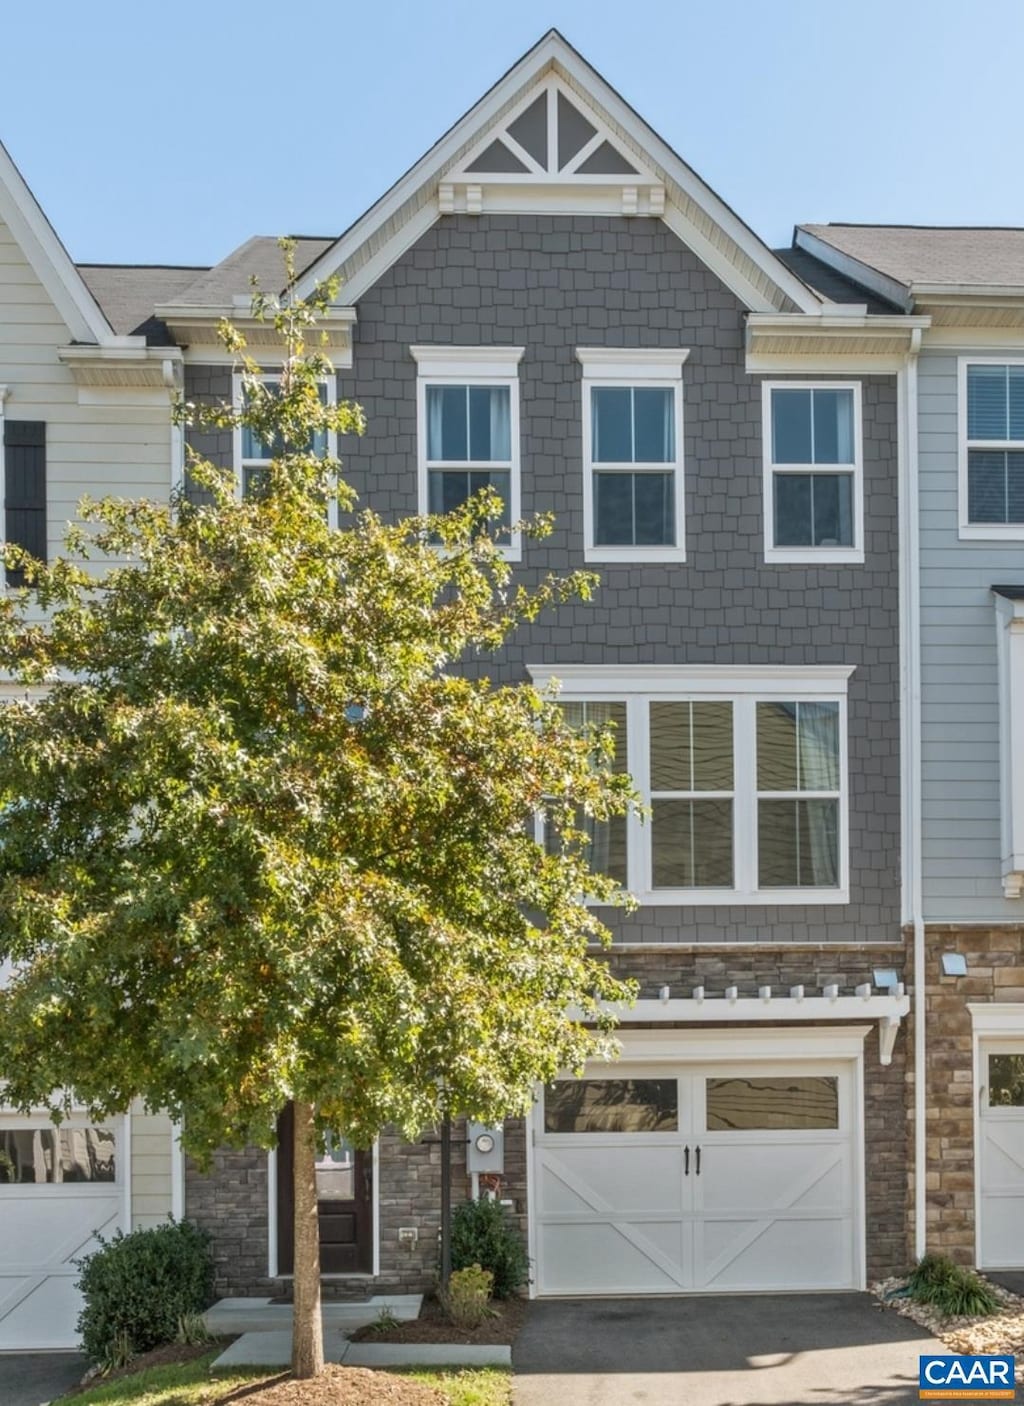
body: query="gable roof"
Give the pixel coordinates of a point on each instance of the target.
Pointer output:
(259, 258)
(49, 259)
(922, 258)
(832, 285)
(700, 218)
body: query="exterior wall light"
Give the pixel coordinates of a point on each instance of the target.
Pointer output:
(954, 964)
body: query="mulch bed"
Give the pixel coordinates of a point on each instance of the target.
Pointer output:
(433, 1327)
(336, 1386)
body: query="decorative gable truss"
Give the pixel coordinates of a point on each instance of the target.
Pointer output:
(558, 145)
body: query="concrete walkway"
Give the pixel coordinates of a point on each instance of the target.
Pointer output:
(749, 1350)
(33, 1378)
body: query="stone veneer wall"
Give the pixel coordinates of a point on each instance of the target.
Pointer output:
(232, 1200)
(995, 972)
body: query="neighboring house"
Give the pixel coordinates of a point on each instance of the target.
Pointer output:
(83, 409)
(968, 661)
(553, 302)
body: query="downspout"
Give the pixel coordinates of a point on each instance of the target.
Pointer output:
(910, 653)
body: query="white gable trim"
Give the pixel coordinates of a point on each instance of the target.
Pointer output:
(50, 261)
(707, 225)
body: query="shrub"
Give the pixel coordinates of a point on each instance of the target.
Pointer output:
(955, 1291)
(138, 1287)
(467, 1297)
(483, 1235)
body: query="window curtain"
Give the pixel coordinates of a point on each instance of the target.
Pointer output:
(501, 423)
(818, 761)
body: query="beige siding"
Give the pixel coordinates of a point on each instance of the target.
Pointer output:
(121, 449)
(151, 1168)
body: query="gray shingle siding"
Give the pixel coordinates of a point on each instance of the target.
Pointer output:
(553, 284)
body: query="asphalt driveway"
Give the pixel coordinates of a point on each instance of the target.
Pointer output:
(32, 1378)
(749, 1350)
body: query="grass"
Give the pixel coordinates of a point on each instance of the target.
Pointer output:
(954, 1291)
(190, 1384)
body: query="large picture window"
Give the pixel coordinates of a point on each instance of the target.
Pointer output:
(991, 449)
(742, 775)
(633, 454)
(468, 412)
(813, 472)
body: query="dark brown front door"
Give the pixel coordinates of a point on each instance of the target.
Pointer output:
(344, 1181)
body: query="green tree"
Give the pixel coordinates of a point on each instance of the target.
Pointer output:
(262, 842)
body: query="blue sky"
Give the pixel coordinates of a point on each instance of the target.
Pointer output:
(170, 130)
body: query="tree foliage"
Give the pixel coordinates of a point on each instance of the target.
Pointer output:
(262, 839)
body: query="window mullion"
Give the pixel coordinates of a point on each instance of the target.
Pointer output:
(745, 787)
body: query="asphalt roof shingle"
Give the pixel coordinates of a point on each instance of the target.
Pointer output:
(128, 293)
(260, 258)
(932, 254)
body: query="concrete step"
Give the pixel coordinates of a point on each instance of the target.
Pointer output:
(230, 1317)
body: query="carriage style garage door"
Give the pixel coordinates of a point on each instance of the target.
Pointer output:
(655, 1179)
(57, 1187)
(1001, 1154)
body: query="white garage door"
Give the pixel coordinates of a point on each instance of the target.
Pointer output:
(716, 1178)
(58, 1186)
(1001, 1149)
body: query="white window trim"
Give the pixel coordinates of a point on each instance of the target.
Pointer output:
(980, 531)
(633, 366)
(467, 366)
(743, 687)
(850, 556)
(238, 400)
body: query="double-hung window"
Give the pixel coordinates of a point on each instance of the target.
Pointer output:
(814, 479)
(991, 448)
(468, 416)
(633, 454)
(743, 774)
(253, 457)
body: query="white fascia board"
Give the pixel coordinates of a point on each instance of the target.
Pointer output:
(206, 312)
(830, 320)
(750, 1009)
(885, 286)
(795, 1042)
(603, 679)
(51, 262)
(820, 363)
(553, 51)
(977, 292)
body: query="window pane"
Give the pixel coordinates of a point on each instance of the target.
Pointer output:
(448, 489)
(254, 448)
(608, 847)
(797, 746)
(1014, 486)
(691, 746)
(777, 747)
(791, 427)
(613, 510)
(654, 510)
(833, 427)
(612, 1106)
(1015, 397)
(691, 843)
(489, 429)
(255, 481)
(986, 402)
(52, 1155)
(654, 427)
(798, 844)
(447, 435)
(612, 425)
(788, 1101)
(335, 1171)
(1006, 1081)
(986, 486)
(793, 510)
(832, 510)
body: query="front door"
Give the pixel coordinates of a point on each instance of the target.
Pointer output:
(344, 1183)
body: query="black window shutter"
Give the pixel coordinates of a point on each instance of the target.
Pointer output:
(25, 500)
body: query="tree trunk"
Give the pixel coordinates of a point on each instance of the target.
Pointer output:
(307, 1327)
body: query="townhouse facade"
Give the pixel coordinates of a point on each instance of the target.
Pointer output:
(552, 302)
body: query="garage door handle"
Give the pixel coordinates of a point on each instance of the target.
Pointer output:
(686, 1161)
(698, 1161)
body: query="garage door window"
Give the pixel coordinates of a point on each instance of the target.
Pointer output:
(1006, 1081)
(762, 1105)
(612, 1106)
(53, 1156)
